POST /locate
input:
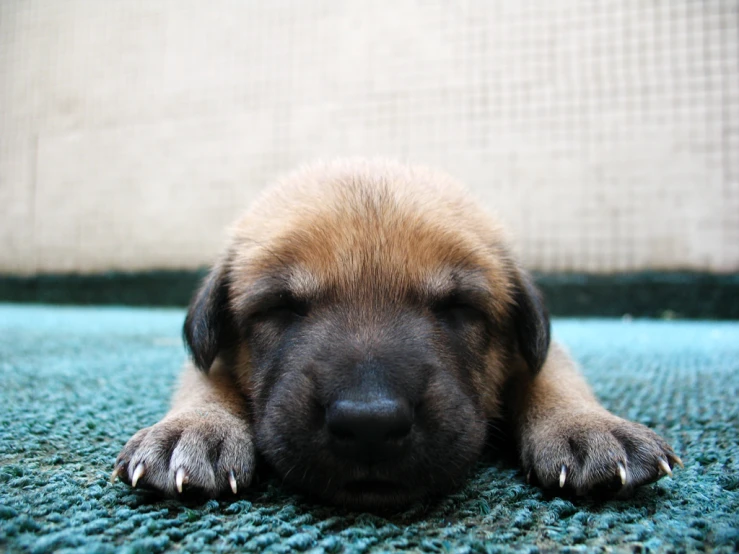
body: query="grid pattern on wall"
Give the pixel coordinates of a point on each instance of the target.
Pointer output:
(604, 134)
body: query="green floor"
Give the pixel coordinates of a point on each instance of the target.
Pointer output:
(75, 383)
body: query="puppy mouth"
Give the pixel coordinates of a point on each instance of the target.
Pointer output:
(374, 494)
(374, 487)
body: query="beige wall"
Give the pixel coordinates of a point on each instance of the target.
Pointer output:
(606, 133)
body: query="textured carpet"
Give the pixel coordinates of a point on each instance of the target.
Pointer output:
(75, 383)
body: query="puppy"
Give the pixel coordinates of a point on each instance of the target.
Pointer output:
(365, 324)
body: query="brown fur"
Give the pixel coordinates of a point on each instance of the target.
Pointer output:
(343, 281)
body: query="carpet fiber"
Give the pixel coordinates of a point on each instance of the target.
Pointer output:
(75, 383)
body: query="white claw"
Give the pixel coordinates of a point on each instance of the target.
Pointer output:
(137, 474)
(232, 481)
(676, 459)
(665, 467)
(562, 476)
(114, 475)
(180, 478)
(622, 473)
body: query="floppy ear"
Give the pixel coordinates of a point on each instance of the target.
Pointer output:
(208, 326)
(531, 323)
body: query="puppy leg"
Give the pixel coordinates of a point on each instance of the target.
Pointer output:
(204, 443)
(568, 440)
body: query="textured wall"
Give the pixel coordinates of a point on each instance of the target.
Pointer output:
(605, 133)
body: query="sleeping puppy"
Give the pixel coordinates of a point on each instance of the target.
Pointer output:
(365, 324)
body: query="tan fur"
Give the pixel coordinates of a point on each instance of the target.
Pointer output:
(327, 228)
(438, 227)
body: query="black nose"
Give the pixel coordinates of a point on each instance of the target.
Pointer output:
(378, 426)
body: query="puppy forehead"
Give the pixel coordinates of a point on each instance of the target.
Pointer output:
(360, 231)
(392, 247)
(427, 262)
(437, 282)
(302, 282)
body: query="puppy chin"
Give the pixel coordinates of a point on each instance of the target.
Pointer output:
(376, 495)
(429, 469)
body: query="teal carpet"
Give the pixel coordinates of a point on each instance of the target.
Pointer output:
(75, 383)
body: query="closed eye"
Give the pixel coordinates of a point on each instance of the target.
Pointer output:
(282, 305)
(457, 310)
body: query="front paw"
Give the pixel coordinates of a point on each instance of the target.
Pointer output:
(206, 452)
(595, 452)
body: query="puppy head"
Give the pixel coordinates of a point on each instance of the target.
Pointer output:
(371, 314)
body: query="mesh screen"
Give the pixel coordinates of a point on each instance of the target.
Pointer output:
(605, 134)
